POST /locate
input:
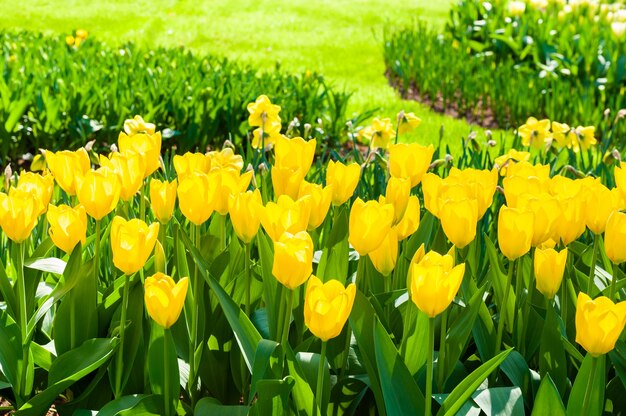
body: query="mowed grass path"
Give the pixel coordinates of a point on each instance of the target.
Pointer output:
(342, 39)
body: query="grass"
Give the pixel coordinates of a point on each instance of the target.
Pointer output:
(340, 39)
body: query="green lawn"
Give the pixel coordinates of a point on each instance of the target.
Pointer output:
(341, 39)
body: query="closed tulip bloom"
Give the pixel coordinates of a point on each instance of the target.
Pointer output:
(147, 144)
(480, 183)
(293, 259)
(165, 298)
(410, 161)
(369, 224)
(320, 202)
(225, 159)
(285, 215)
(571, 222)
(231, 182)
(502, 163)
(39, 186)
(565, 187)
(197, 196)
(98, 191)
(601, 202)
(18, 215)
(66, 166)
(244, 211)
(137, 124)
(344, 179)
(516, 187)
(410, 220)
(549, 266)
(615, 236)
(546, 212)
(130, 168)
(458, 220)
(397, 194)
(515, 232)
(287, 181)
(599, 323)
(132, 242)
(295, 153)
(68, 226)
(385, 256)
(191, 162)
(430, 187)
(163, 199)
(434, 282)
(526, 169)
(327, 307)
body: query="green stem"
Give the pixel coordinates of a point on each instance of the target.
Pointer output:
(442, 351)
(194, 325)
(388, 289)
(21, 289)
(162, 237)
(166, 373)
(281, 312)
(592, 268)
(142, 202)
(519, 288)
(428, 397)
(120, 352)
(613, 280)
(96, 251)
(527, 305)
(70, 299)
(320, 381)
(505, 299)
(592, 375)
(223, 231)
(285, 334)
(248, 278)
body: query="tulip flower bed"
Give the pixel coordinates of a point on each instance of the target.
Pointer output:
(275, 282)
(70, 91)
(499, 61)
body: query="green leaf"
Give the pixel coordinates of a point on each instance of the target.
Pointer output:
(309, 363)
(42, 356)
(271, 288)
(577, 394)
(10, 348)
(210, 406)
(266, 364)
(468, 386)
(505, 401)
(413, 349)
(548, 400)
(114, 407)
(303, 396)
(47, 264)
(552, 354)
(273, 396)
(162, 368)
(8, 295)
(516, 369)
(335, 255)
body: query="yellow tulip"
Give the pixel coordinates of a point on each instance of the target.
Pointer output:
(287, 181)
(434, 282)
(501, 163)
(18, 215)
(138, 125)
(130, 168)
(369, 223)
(147, 144)
(285, 215)
(293, 259)
(39, 186)
(244, 211)
(546, 211)
(410, 220)
(68, 226)
(261, 111)
(571, 223)
(515, 232)
(535, 133)
(295, 153)
(385, 256)
(164, 298)
(231, 182)
(480, 183)
(344, 179)
(327, 307)
(320, 202)
(163, 199)
(518, 187)
(66, 166)
(397, 194)
(191, 162)
(197, 196)
(410, 161)
(132, 242)
(527, 170)
(615, 236)
(599, 323)
(430, 187)
(225, 159)
(549, 267)
(458, 220)
(98, 191)
(600, 203)
(563, 187)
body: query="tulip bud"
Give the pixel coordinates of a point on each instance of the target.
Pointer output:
(286, 181)
(197, 196)
(66, 166)
(515, 232)
(39, 186)
(293, 259)
(190, 163)
(98, 191)
(369, 223)
(599, 323)
(327, 307)
(244, 210)
(164, 298)
(410, 161)
(397, 194)
(344, 179)
(320, 202)
(132, 243)
(294, 154)
(615, 236)
(411, 219)
(285, 215)
(549, 267)
(68, 226)
(18, 215)
(458, 220)
(385, 256)
(130, 168)
(231, 182)
(146, 143)
(163, 199)
(226, 159)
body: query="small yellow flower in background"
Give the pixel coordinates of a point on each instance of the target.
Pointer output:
(517, 8)
(98, 191)
(140, 137)
(501, 163)
(225, 159)
(293, 259)
(615, 237)
(411, 219)
(369, 224)
(137, 125)
(535, 133)
(378, 134)
(408, 122)
(618, 29)
(163, 199)
(261, 111)
(585, 138)
(132, 242)
(515, 232)
(18, 215)
(68, 226)
(270, 137)
(244, 211)
(197, 196)
(66, 166)
(231, 182)
(397, 194)
(549, 266)
(320, 202)
(599, 323)
(70, 40)
(344, 180)
(130, 168)
(434, 282)
(327, 307)
(165, 298)
(285, 215)
(82, 34)
(562, 134)
(458, 220)
(410, 161)
(38, 164)
(39, 186)
(191, 162)
(385, 256)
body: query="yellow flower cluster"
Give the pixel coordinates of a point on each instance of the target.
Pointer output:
(542, 134)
